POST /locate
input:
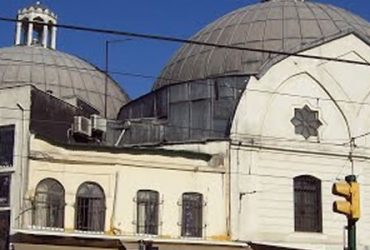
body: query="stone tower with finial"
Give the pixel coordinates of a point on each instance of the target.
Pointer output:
(41, 32)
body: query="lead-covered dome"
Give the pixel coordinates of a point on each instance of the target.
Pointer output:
(283, 25)
(63, 75)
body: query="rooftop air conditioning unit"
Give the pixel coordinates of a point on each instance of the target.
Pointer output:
(98, 123)
(81, 126)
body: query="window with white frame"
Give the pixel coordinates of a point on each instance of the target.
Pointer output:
(192, 214)
(147, 203)
(49, 204)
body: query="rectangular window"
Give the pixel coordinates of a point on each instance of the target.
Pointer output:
(192, 215)
(4, 229)
(307, 204)
(4, 190)
(6, 146)
(147, 211)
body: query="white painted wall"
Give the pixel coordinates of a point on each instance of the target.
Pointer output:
(266, 155)
(11, 101)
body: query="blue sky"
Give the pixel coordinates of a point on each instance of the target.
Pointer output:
(180, 18)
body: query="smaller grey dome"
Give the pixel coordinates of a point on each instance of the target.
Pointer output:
(64, 75)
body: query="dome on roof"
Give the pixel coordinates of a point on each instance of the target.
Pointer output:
(63, 75)
(282, 25)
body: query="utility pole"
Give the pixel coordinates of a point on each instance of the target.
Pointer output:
(350, 189)
(107, 42)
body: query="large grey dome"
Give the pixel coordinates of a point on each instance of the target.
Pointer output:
(64, 75)
(283, 25)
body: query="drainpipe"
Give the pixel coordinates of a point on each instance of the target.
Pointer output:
(228, 193)
(113, 230)
(23, 173)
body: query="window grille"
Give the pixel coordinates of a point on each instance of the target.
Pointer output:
(90, 208)
(307, 204)
(6, 145)
(49, 204)
(192, 215)
(4, 229)
(4, 190)
(147, 211)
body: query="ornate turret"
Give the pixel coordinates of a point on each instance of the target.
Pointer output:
(41, 34)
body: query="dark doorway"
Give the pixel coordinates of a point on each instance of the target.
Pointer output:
(4, 229)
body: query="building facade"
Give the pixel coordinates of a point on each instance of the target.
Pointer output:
(233, 148)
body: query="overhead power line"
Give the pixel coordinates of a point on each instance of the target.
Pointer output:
(176, 81)
(81, 155)
(186, 41)
(263, 139)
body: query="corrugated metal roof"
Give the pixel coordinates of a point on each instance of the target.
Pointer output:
(282, 25)
(187, 112)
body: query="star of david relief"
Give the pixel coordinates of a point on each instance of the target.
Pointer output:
(306, 122)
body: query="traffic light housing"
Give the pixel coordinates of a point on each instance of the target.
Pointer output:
(350, 190)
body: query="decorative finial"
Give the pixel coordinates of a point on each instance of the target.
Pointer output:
(263, 1)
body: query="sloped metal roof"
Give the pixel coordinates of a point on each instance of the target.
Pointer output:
(63, 75)
(282, 25)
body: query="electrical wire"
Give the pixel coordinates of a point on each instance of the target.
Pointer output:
(246, 135)
(174, 39)
(242, 135)
(202, 81)
(143, 163)
(181, 40)
(260, 141)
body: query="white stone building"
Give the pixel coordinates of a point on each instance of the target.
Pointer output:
(233, 148)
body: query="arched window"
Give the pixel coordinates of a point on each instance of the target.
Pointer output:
(192, 215)
(90, 207)
(147, 211)
(307, 204)
(49, 204)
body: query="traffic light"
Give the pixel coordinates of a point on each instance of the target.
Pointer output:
(350, 190)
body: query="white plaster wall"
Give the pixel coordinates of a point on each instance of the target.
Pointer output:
(170, 176)
(11, 114)
(211, 147)
(267, 154)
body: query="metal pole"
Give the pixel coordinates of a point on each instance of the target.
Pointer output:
(351, 234)
(351, 222)
(106, 77)
(107, 42)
